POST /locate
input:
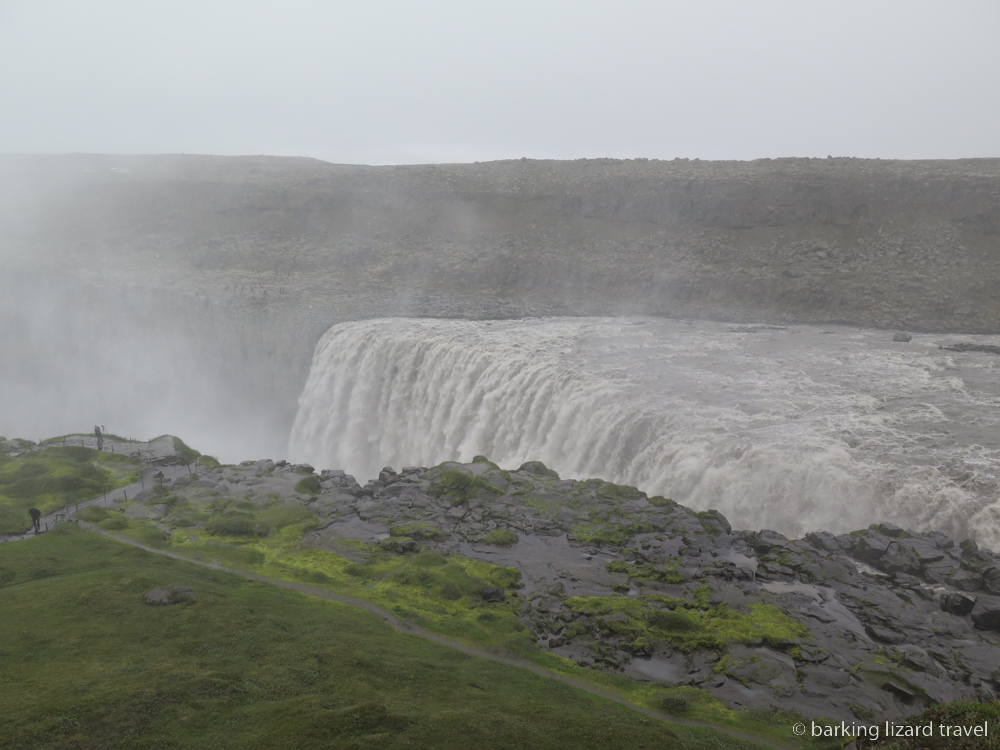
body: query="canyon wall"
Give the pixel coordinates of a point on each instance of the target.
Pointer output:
(223, 272)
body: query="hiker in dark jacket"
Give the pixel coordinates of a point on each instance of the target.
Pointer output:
(36, 518)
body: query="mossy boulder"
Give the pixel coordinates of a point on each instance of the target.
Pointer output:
(309, 485)
(417, 530)
(459, 486)
(501, 538)
(538, 469)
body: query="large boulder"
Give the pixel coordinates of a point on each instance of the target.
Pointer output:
(991, 580)
(986, 614)
(824, 541)
(170, 595)
(537, 469)
(965, 580)
(871, 546)
(767, 540)
(956, 604)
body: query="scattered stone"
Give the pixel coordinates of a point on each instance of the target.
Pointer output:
(170, 595)
(902, 336)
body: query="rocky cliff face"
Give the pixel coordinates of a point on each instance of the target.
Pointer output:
(871, 625)
(259, 255)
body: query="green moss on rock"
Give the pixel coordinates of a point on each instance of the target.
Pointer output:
(501, 538)
(417, 530)
(309, 485)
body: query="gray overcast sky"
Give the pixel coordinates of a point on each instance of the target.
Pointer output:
(462, 80)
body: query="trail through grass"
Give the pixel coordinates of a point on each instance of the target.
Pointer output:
(87, 664)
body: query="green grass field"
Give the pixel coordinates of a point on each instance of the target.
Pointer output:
(86, 664)
(53, 477)
(440, 593)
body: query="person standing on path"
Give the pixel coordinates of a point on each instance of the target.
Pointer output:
(36, 518)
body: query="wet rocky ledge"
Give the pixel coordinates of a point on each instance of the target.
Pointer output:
(872, 625)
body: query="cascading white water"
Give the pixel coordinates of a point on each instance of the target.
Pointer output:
(791, 429)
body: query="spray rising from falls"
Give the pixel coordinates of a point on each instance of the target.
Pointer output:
(791, 429)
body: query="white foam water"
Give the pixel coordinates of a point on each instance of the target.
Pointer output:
(794, 429)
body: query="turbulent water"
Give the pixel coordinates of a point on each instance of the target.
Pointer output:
(793, 429)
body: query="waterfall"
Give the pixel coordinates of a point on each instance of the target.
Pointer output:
(774, 429)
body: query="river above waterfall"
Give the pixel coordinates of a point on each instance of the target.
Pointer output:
(792, 428)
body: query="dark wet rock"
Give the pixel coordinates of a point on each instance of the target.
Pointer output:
(916, 658)
(965, 580)
(968, 547)
(824, 540)
(890, 530)
(813, 654)
(986, 613)
(940, 540)
(537, 469)
(897, 560)
(991, 580)
(904, 694)
(885, 635)
(979, 561)
(766, 541)
(715, 522)
(906, 580)
(921, 550)
(170, 595)
(901, 337)
(939, 571)
(871, 545)
(303, 468)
